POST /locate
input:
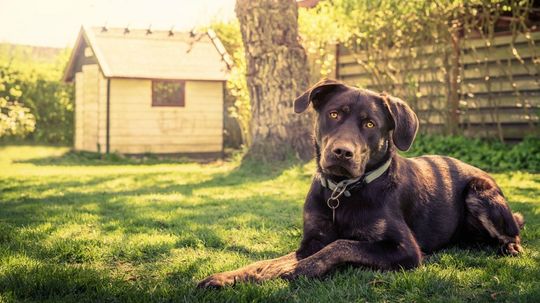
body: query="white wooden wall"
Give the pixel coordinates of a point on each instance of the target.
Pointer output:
(90, 109)
(137, 127)
(79, 102)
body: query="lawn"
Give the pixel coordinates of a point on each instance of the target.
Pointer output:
(74, 228)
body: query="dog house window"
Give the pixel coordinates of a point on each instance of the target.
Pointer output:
(168, 93)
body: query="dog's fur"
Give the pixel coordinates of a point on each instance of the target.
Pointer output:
(417, 206)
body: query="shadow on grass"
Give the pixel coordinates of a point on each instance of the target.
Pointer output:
(82, 158)
(114, 210)
(63, 272)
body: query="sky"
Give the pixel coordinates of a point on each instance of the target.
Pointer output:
(56, 22)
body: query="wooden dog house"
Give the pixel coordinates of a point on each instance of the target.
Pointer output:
(144, 91)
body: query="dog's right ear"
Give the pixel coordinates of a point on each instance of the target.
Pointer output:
(316, 94)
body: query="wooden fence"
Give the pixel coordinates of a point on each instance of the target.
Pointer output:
(498, 84)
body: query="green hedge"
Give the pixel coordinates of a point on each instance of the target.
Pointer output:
(489, 155)
(33, 81)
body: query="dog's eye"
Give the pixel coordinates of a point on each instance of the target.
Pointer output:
(370, 124)
(334, 115)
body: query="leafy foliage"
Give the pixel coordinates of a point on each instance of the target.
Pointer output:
(351, 22)
(413, 49)
(15, 119)
(32, 87)
(52, 103)
(489, 155)
(239, 106)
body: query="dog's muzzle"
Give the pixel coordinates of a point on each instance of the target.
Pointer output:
(343, 161)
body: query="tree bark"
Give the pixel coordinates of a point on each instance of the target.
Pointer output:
(277, 72)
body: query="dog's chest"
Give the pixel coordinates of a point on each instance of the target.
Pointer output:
(360, 223)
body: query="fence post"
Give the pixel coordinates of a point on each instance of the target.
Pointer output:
(453, 94)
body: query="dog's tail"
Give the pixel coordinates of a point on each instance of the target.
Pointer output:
(519, 219)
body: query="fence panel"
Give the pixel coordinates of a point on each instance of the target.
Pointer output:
(499, 85)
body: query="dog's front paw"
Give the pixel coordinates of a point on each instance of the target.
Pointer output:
(511, 249)
(310, 268)
(217, 281)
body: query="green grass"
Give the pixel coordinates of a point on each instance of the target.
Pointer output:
(79, 228)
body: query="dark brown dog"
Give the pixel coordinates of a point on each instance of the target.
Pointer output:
(394, 208)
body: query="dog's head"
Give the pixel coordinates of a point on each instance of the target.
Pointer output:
(355, 129)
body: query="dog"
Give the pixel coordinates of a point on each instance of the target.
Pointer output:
(368, 206)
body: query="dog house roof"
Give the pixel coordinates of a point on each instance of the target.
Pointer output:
(148, 54)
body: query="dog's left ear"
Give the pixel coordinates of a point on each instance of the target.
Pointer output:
(316, 94)
(405, 122)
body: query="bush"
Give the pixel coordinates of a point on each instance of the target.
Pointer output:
(52, 104)
(15, 119)
(486, 154)
(35, 104)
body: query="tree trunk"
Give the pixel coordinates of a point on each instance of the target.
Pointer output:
(277, 72)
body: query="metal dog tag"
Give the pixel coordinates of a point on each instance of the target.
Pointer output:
(333, 206)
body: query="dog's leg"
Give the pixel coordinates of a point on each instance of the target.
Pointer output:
(268, 269)
(378, 255)
(258, 271)
(384, 255)
(489, 216)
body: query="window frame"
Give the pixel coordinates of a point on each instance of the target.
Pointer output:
(182, 99)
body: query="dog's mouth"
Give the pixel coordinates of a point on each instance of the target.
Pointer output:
(340, 170)
(337, 170)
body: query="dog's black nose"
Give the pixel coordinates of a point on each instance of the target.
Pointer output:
(343, 152)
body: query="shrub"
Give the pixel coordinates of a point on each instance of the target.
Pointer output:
(15, 118)
(35, 104)
(52, 104)
(486, 154)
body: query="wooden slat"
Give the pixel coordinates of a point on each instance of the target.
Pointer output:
(397, 53)
(500, 40)
(479, 56)
(102, 111)
(168, 113)
(205, 104)
(397, 63)
(531, 101)
(505, 116)
(501, 85)
(355, 70)
(165, 148)
(478, 86)
(491, 55)
(90, 108)
(126, 132)
(166, 128)
(186, 139)
(424, 89)
(479, 71)
(79, 103)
